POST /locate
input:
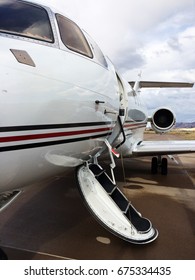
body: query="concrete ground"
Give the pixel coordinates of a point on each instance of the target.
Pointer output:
(49, 220)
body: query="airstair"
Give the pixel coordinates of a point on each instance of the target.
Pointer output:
(107, 203)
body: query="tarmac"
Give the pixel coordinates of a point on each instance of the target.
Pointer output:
(48, 220)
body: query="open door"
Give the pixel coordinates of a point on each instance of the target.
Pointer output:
(111, 208)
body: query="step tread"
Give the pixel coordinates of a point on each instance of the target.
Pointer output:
(140, 223)
(102, 178)
(96, 169)
(120, 200)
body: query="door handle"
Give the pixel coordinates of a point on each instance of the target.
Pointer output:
(99, 101)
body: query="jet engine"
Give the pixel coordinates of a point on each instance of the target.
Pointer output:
(162, 120)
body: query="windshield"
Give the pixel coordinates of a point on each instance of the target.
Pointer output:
(72, 36)
(26, 20)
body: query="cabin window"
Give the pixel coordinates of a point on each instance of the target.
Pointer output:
(72, 36)
(26, 20)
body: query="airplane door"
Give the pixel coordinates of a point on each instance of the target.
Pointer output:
(123, 98)
(117, 137)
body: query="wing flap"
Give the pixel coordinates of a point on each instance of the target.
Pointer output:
(152, 148)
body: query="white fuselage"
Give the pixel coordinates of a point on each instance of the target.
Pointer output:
(55, 114)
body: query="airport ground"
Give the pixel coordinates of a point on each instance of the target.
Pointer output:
(49, 220)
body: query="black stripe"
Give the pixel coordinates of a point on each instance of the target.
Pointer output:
(51, 126)
(46, 144)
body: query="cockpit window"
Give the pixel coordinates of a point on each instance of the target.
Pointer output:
(26, 20)
(72, 36)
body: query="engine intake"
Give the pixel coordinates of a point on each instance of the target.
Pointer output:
(163, 120)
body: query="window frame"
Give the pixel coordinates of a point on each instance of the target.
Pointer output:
(82, 37)
(99, 56)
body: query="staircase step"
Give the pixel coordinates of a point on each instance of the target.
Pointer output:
(140, 223)
(106, 183)
(102, 178)
(96, 169)
(120, 200)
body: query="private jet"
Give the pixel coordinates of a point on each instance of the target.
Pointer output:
(64, 105)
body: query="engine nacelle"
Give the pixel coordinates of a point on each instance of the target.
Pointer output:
(163, 120)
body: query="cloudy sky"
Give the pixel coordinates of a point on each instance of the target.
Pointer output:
(154, 36)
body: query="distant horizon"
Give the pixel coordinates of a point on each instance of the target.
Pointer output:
(185, 124)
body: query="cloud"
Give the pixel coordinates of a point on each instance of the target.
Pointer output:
(129, 59)
(174, 43)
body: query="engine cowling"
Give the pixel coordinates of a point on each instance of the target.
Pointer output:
(163, 120)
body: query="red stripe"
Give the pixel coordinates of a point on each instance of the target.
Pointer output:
(51, 135)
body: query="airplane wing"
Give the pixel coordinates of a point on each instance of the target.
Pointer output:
(154, 148)
(150, 84)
